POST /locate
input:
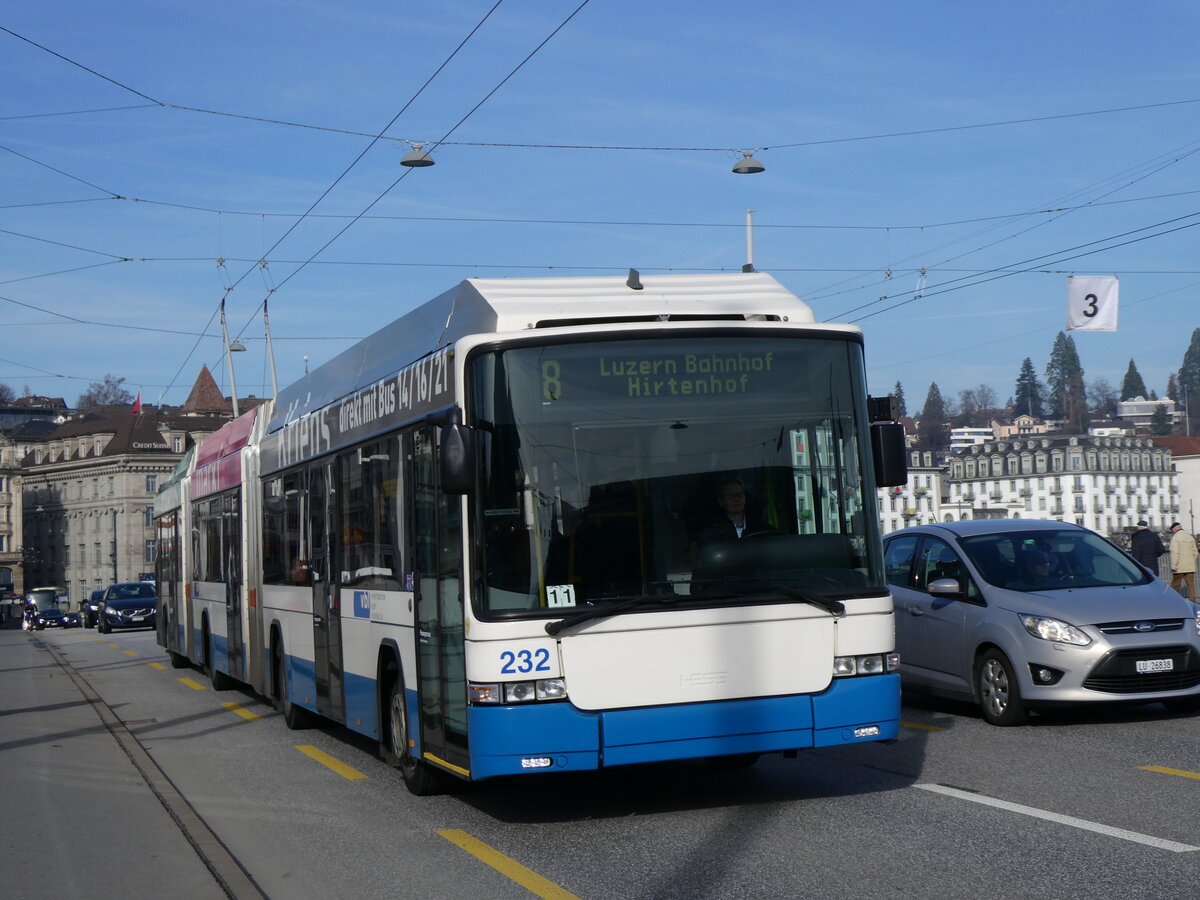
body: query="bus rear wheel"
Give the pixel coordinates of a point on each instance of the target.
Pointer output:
(419, 778)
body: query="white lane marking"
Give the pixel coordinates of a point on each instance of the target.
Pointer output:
(1084, 824)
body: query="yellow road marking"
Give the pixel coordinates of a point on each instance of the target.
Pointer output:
(921, 727)
(329, 762)
(155, 665)
(194, 685)
(1163, 770)
(510, 868)
(242, 711)
(441, 762)
(129, 652)
(115, 646)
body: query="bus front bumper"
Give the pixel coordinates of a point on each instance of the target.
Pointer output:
(548, 737)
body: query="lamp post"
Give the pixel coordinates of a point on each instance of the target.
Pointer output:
(114, 548)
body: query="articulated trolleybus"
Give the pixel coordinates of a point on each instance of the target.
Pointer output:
(555, 524)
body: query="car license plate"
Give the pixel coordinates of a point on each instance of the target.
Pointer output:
(1146, 666)
(142, 618)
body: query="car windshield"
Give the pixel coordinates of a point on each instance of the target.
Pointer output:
(42, 599)
(131, 592)
(706, 470)
(1050, 560)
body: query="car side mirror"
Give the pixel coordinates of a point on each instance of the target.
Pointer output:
(945, 587)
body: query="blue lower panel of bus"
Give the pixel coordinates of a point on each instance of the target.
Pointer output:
(511, 740)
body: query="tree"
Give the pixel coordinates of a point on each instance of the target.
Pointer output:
(933, 428)
(976, 405)
(1189, 376)
(1173, 387)
(7, 395)
(105, 393)
(898, 393)
(1103, 398)
(1160, 421)
(1028, 398)
(1133, 385)
(968, 408)
(1064, 377)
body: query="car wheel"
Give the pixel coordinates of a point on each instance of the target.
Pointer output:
(419, 778)
(998, 692)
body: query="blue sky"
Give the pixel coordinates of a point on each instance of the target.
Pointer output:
(115, 210)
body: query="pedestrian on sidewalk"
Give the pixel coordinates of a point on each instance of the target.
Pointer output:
(1146, 546)
(1183, 561)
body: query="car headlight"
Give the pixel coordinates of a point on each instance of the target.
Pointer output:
(110, 611)
(1055, 630)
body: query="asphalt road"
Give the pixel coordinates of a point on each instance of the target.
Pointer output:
(228, 801)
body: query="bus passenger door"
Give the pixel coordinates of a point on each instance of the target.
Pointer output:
(327, 622)
(231, 532)
(437, 556)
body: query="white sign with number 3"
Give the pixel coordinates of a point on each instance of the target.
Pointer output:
(1092, 303)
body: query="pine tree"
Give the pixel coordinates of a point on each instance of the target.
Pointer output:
(1064, 376)
(898, 393)
(1189, 376)
(1160, 421)
(934, 429)
(1028, 398)
(1173, 387)
(1133, 385)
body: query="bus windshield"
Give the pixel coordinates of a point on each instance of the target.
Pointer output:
(696, 470)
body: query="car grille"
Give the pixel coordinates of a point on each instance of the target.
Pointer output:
(1116, 673)
(1130, 627)
(127, 613)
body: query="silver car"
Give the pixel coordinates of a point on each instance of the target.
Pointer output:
(1021, 613)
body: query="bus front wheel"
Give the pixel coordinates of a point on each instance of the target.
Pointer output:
(419, 778)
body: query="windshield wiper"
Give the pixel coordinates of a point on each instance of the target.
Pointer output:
(599, 612)
(833, 607)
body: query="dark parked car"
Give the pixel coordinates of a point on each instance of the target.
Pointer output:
(131, 604)
(89, 613)
(1022, 613)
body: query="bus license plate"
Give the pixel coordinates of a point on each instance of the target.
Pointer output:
(1146, 666)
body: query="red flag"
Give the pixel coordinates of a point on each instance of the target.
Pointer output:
(137, 404)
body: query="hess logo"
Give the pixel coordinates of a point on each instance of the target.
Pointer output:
(703, 679)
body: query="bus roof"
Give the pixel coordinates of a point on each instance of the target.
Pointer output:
(489, 305)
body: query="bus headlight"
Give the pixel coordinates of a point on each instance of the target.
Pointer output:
(520, 692)
(868, 664)
(483, 693)
(547, 689)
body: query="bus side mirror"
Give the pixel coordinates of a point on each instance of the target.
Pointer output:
(457, 459)
(888, 453)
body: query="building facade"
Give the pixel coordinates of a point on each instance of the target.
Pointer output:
(88, 496)
(919, 501)
(12, 577)
(1106, 484)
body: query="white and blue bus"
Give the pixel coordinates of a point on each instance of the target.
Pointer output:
(562, 524)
